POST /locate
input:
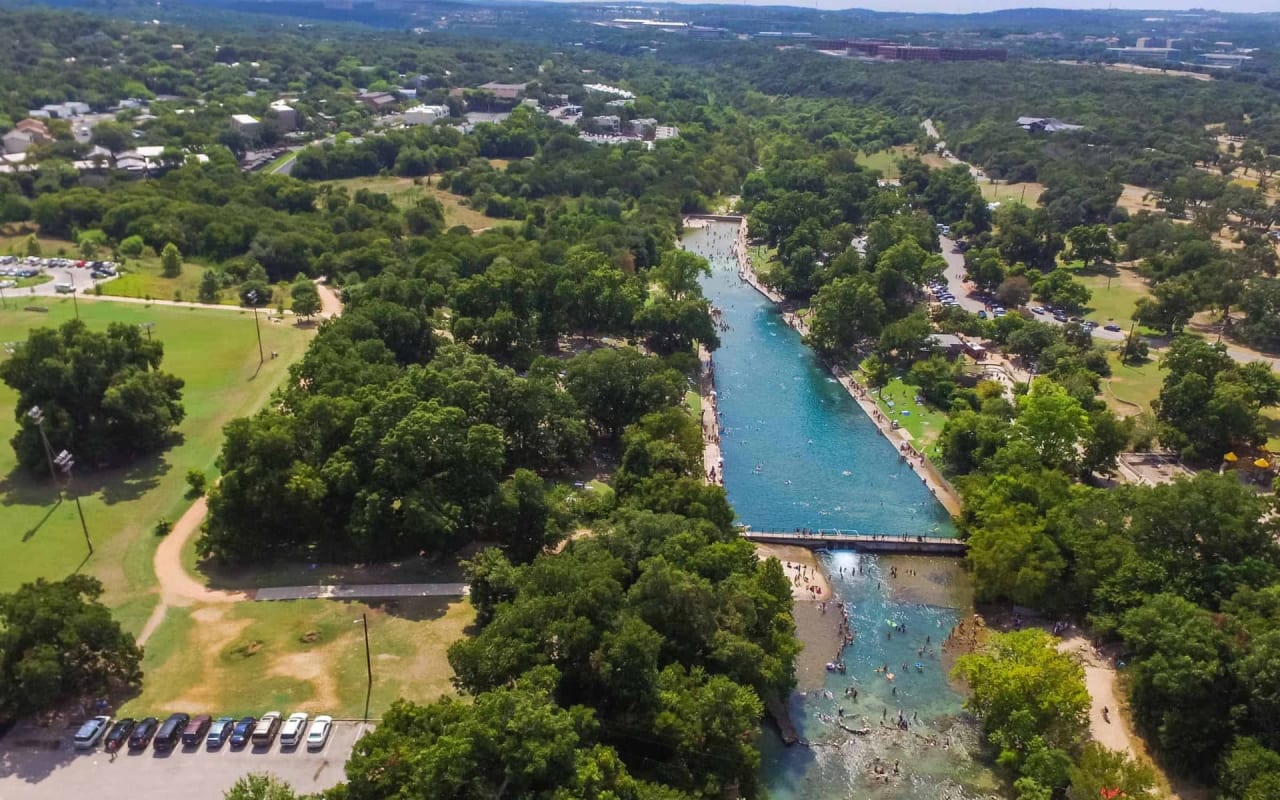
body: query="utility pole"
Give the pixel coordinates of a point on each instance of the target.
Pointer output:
(1128, 344)
(368, 663)
(147, 326)
(66, 461)
(36, 415)
(252, 297)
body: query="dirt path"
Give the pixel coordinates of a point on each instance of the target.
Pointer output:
(330, 305)
(1100, 680)
(177, 587)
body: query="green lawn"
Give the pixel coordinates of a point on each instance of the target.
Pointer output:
(404, 192)
(763, 260)
(249, 657)
(884, 161)
(1114, 304)
(1132, 387)
(924, 423)
(140, 277)
(1027, 194)
(216, 353)
(693, 402)
(1272, 416)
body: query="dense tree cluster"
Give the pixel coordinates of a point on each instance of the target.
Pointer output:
(100, 394)
(58, 643)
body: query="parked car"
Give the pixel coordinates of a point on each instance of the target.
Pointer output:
(294, 729)
(141, 736)
(1114, 328)
(170, 732)
(1037, 310)
(319, 733)
(219, 731)
(264, 733)
(242, 731)
(119, 734)
(91, 731)
(195, 730)
(64, 288)
(982, 314)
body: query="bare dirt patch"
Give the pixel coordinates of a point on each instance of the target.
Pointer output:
(311, 668)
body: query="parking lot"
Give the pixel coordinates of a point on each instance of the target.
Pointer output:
(29, 769)
(65, 274)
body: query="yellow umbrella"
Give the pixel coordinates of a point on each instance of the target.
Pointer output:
(1232, 457)
(1262, 463)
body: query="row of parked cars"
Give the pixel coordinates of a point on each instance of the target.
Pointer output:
(30, 266)
(188, 731)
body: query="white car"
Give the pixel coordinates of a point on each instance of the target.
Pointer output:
(91, 732)
(291, 733)
(319, 733)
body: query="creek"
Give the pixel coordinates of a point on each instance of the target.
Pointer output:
(799, 453)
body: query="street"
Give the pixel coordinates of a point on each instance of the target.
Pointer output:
(968, 299)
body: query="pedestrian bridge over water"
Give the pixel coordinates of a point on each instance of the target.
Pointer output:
(864, 542)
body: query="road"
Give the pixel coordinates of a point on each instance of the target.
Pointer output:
(966, 294)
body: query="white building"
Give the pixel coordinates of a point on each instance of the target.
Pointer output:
(249, 126)
(425, 115)
(286, 118)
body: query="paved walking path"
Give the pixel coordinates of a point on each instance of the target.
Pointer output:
(372, 591)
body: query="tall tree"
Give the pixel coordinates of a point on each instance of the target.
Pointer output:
(170, 261)
(102, 394)
(58, 643)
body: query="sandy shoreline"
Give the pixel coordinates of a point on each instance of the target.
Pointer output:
(820, 632)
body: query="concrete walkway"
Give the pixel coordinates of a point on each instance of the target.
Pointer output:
(372, 591)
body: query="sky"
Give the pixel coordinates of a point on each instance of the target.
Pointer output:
(970, 6)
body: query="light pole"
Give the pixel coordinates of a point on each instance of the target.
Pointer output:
(36, 415)
(252, 297)
(368, 663)
(147, 326)
(72, 278)
(65, 462)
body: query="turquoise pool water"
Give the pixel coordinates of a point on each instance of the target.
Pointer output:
(799, 452)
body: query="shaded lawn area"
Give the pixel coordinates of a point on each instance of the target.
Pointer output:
(886, 161)
(1116, 303)
(216, 354)
(1131, 388)
(250, 657)
(404, 192)
(924, 423)
(1027, 194)
(763, 261)
(1272, 417)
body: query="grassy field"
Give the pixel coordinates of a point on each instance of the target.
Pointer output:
(886, 161)
(924, 423)
(1131, 388)
(141, 277)
(403, 192)
(763, 261)
(248, 658)
(215, 352)
(693, 402)
(49, 247)
(1114, 304)
(1025, 193)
